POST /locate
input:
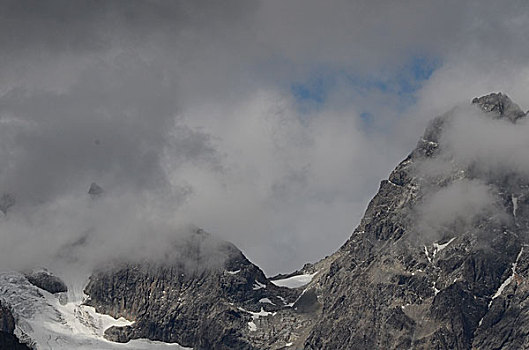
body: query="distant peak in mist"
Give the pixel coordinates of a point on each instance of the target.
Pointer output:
(501, 105)
(95, 190)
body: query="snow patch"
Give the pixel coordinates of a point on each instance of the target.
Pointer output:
(233, 272)
(266, 301)
(295, 281)
(258, 285)
(394, 184)
(289, 304)
(514, 200)
(509, 279)
(423, 140)
(427, 255)
(435, 290)
(439, 247)
(252, 326)
(255, 316)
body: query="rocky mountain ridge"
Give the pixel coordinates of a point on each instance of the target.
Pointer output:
(210, 308)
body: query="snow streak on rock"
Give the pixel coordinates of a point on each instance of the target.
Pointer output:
(295, 281)
(509, 279)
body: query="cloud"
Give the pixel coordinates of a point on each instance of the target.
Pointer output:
(185, 113)
(476, 174)
(488, 146)
(455, 209)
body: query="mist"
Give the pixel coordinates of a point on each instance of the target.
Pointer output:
(477, 152)
(454, 209)
(268, 124)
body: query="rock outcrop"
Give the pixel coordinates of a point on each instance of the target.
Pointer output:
(95, 190)
(47, 281)
(7, 327)
(212, 306)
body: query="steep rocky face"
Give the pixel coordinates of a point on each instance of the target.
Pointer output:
(7, 321)
(211, 307)
(395, 285)
(7, 327)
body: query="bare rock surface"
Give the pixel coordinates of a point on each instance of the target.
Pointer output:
(205, 307)
(47, 281)
(7, 328)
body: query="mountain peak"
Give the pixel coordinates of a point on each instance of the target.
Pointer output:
(95, 190)
(500, 105)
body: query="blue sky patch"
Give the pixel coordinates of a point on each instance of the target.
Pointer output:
(399, 85)
(315, 90)
(402, 82)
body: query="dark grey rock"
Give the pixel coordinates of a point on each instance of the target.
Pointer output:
(47, 281)
(8, 340)
(7, 321)
(95, 190)
(7, 200)
(500, 105)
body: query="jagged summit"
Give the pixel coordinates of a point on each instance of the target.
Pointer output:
(494, 105)
(501, 105)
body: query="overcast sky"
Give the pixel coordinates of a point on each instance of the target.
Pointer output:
(267, 123)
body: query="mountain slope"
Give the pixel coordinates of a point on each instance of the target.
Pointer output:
(206, 307)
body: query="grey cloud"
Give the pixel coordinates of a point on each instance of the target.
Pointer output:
(182, 110)
(453, 209)
(478, 153)
(111, 128)
(495, 146)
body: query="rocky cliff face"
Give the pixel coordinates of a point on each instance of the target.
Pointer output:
(7, 327)
(439, 261)
(205, 307)
(393, 285)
